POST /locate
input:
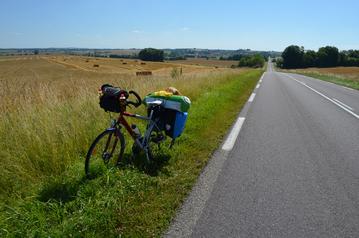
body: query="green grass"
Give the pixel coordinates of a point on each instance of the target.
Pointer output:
(130, 201)
(350, 83)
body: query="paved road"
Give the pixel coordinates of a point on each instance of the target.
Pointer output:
(294, 169)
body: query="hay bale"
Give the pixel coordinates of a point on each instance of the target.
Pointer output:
(143, 73)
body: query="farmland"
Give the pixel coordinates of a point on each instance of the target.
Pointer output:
(49, 116)
(209, 62)
(346, 76)
(63, 77)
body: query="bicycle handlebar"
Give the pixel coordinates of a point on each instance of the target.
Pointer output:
(139, 101)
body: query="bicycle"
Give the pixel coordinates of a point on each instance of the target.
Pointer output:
(105, 146)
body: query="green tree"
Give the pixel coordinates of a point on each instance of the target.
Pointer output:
(353, 53)
(310, 59)
(293, 57)
(151, 54)
(343, 59)
(328, 56)
(254, 61)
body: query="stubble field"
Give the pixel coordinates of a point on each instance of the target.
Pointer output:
(346, 76)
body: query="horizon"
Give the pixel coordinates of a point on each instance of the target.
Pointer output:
(259, 26)
(85, 48)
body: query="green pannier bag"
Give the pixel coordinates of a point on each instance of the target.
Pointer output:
(173, 102)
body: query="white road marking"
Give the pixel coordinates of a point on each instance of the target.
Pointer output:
(343, 104)
(229, 143)
(258, 85)
(260, 80)
(351, 89)
(326, 97)
(251, 98)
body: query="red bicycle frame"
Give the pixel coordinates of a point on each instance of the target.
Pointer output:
(122, 121)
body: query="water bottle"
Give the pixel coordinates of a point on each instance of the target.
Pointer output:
(136, 131)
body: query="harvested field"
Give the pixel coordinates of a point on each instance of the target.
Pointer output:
(208, 63)
(345, 76)
(123, 66)
(34, 77)
(341, 72)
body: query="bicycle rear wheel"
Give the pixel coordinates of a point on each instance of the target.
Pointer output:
(106, 151)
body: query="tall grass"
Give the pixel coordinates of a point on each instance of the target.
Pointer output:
(46, 126)
(129, 201)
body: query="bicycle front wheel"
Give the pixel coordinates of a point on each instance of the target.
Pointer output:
(105, 152)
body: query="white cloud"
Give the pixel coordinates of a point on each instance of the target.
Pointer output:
(185, 28)
(136, 31)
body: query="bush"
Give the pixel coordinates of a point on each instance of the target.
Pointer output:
(151, 54)
(254, 61)
(279, 63)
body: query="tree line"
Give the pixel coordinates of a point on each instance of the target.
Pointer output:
(254, 61)
(151, 54)
(329, 56)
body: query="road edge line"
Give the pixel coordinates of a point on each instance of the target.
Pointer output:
(324, 96)
(232, 137)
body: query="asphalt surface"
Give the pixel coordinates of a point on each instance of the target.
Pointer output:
(293, 170)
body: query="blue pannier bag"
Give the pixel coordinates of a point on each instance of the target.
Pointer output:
(173, 115)
(178, 124)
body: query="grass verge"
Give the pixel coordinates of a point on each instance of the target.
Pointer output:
(354, 84)
(129, 201)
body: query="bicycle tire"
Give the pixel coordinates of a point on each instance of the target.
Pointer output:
(96, 163)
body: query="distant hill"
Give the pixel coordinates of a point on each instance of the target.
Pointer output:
(133, 53)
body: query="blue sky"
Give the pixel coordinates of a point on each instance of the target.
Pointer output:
(254, 24)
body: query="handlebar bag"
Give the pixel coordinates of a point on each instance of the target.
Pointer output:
(109, 99)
